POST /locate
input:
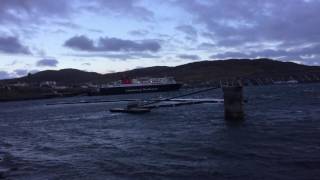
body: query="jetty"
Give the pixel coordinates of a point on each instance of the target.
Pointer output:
(232, 99)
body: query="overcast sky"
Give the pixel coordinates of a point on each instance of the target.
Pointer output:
(115, 35)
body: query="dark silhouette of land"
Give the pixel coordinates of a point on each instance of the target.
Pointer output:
(204, 73)
(192, 73)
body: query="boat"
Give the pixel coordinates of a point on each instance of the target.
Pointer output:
(140, 85)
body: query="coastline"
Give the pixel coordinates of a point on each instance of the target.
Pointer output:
(38, 94)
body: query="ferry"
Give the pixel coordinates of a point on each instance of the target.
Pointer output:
(140, 85)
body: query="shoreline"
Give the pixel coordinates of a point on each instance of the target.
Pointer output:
(16, 97)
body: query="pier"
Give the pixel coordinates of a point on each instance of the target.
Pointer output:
(233, 103)
(232, 88)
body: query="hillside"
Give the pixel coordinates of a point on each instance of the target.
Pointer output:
(192, 73)
(198, 72)
(64, 76)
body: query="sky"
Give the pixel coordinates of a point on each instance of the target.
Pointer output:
(108, 36)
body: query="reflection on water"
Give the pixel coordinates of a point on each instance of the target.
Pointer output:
(278, 140)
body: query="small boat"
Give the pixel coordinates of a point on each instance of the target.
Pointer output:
(133, 110)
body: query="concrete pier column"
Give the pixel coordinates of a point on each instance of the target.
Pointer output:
(233, 103)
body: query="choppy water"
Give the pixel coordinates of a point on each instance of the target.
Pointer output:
(280, 139)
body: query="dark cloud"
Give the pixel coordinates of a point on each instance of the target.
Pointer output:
(129, 8)
(120, 56)
(24, 72)
(12, 45)
(308, 55)
(233, 24)
(245, 21)
(35, 11)
(115, 44)
(80, 43)
(47, 63)
(21, 72)
(106, 44)
(17, 11)
(5, 75)
(189, 57)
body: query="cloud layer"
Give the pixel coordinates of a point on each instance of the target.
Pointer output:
(4, 75)
(35, 11)
(106, 44)
(47, 63)
(30, 11)
(129, 8)
(169, 32)
(189, 57)
(263, 25)
(12, 45)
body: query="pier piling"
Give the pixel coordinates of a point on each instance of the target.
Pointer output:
(233, 103)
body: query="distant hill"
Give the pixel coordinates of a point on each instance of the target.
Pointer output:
(199, 72)
(192, 73)
(64, 76)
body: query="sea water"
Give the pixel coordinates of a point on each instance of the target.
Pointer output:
(280, 138)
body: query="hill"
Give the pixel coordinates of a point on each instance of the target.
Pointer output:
(64, 76)
(192, 73)
(199, 72)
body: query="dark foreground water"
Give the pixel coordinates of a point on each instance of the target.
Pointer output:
(280, 139)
